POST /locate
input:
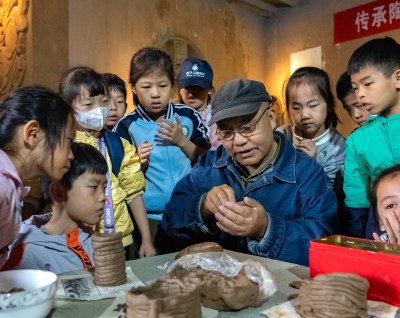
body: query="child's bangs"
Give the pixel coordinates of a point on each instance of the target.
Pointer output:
(94, 85)
(300, 86)
(97, 168)
(74, 79)
(87, 159)
(392, 175)
(157, 69)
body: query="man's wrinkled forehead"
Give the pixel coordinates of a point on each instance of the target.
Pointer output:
(243, 119)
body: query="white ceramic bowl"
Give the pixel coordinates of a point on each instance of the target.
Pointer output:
(36, 299)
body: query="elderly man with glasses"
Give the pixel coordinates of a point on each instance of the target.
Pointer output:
(255, 193)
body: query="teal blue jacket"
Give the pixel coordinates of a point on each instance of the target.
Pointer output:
(369, 150)
(168, 163)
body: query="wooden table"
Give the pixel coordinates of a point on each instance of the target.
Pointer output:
(147, 271)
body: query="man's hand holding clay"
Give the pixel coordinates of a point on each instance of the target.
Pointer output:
(246, 218)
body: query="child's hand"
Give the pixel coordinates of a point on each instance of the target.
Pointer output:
(377, 238)
(171, 132)
(308, 146)
(392, 227)
(147, 249)
(144, 151)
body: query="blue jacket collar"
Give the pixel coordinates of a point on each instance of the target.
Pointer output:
(283, 169)
(146, 116)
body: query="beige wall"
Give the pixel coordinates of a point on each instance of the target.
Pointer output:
(307, 26)
(238, 43)
(49, 55)
(105, 34)
(47, 42)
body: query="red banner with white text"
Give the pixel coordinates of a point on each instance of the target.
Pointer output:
(368, 19)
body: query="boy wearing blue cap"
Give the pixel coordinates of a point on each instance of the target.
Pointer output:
(195, 87)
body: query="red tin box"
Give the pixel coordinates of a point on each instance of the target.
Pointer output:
(377, 262)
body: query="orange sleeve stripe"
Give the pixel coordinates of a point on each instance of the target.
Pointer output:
(15, 258)
(76, 246)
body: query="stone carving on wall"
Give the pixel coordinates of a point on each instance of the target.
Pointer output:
(13, 37)
(179, 49)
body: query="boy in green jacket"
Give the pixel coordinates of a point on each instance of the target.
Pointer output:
(375, 76)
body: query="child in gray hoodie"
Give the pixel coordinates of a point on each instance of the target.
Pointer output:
(60, 241)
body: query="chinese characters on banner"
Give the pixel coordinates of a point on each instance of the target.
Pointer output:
(368, 19)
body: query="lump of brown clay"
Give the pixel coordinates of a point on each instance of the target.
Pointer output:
(217, 291)
(333, 295)
(200, 248)
(163, 299)
(109, 259)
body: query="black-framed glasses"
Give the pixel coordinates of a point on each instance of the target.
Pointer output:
(245, 130)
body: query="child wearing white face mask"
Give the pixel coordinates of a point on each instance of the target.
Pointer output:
(84, 89)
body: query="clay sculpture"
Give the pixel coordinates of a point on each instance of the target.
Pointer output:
(109, 259)
(163, 299)
(333, 295)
